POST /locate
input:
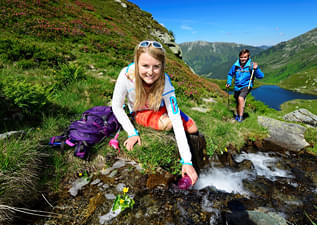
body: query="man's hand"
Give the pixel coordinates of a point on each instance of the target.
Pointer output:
(131, 141)
(255, 65)
(227, 85)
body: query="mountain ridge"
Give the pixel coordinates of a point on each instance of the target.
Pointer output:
(213, 59)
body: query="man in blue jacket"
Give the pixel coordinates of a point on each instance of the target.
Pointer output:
(242, 71)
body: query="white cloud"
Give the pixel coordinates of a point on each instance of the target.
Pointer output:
(185, 27)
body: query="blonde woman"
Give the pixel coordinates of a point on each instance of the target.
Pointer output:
(151, 97)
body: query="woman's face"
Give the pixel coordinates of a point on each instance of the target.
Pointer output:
(149, 68)
(244, 58)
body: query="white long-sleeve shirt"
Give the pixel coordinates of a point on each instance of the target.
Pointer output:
(125, 87)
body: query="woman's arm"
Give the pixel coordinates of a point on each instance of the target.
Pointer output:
(118, 98)
(183, 147)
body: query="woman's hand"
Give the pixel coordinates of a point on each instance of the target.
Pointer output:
(131, 141)
(191, 172)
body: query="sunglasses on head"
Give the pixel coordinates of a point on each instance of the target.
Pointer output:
(155, 44)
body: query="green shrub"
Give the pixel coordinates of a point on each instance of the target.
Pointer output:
(311, 137)
(30, 98)
(67, 74)
(31, 54)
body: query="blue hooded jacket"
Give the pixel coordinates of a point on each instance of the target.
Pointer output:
(243, 74)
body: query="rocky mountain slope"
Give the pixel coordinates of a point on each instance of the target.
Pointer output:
(292, 64)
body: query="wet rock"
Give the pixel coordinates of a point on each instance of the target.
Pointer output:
(120, 187)
(247, 217)
(110, 196)
(94, 202)
(159, 180)
(246, 165)
(113, 173)
(97, 181)
(118, 164)
(302, 116)
(288, 136)
(109, 216)
(105, 186)
(225, 158)
(78, 185)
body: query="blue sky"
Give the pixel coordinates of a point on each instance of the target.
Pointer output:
(251, 22)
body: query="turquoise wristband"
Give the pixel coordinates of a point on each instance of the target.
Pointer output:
(133, 135)
(136, 133)
(185, 163)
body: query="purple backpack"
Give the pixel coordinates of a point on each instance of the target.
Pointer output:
(95, 125)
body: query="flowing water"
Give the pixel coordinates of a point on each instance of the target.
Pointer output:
(251, 187)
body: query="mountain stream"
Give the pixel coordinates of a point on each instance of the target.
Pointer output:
(251, 187)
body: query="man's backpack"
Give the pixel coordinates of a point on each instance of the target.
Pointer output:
(95, 125)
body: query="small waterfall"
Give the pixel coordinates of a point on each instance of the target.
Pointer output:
(231, 181)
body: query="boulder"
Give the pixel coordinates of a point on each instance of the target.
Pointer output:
(163, 36)
(302, 116)
(288, 136)
(122, 3)
(175, 49)
(254, 218)
(11, 134)
(168, 40)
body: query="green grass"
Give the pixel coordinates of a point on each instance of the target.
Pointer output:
(310, 105)
(304, 82)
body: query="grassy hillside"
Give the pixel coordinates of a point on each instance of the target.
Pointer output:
(304, 81)
(213, 59)
(293, 63)
(59, 58)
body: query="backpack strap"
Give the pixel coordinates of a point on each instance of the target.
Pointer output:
(81, 150)
(57, 141)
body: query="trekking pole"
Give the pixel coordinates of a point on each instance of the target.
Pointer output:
(228, 96)
(251, 78)
(245, 100)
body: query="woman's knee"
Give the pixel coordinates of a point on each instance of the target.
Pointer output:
(193, 128)
(165, 123)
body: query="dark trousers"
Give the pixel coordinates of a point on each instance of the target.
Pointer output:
(197, 145)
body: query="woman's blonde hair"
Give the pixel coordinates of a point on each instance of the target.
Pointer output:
(154, 97)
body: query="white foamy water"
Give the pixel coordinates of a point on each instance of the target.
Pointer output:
(223, 179)
(228, 180)
(264, 165)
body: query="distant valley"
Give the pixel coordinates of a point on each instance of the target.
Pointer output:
(214, 59)
(291, 64)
